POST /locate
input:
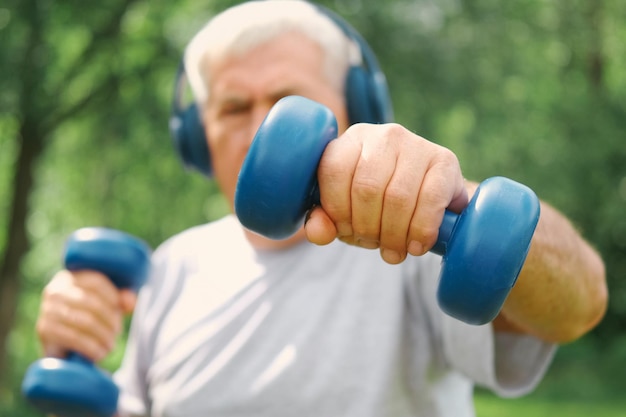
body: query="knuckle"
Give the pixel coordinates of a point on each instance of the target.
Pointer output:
(350, 240)
(366, 187)
(433, 198)
(426, 235)
(48, 313)
(90, 300)
(92, 280)
(447, 159)
(80, 342)
(449, 156)
(430, 237)
(81, 319)
(398, 198)
(52, 289)
(393, 131)
(355, 131)
(52, 297)
(435, 192)
(70, 338)
(331, 161)
(396, 244)
(366, 233)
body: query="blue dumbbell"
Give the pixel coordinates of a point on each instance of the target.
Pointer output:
(74, 387)
(483, 248)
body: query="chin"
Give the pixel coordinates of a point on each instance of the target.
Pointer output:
(263, 243)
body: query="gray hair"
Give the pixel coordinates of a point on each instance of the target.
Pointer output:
(241, 28)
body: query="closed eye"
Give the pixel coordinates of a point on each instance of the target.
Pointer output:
(234, 109)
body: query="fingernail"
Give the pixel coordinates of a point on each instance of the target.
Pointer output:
(391, 256)
(415, 248)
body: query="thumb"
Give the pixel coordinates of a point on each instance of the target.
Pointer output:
(128, 300)
(319, 227)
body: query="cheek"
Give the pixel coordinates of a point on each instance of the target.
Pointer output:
(342, 120)
(340, 112)
(227, 143)
(336, 103)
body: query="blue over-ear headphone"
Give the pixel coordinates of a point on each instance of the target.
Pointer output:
(367, 100)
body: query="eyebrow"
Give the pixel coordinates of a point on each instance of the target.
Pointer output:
(238, 98)
(230, 99)
(283, 92)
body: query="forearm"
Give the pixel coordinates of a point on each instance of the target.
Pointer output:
(561, 291)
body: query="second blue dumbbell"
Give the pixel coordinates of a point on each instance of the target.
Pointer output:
(74, 387)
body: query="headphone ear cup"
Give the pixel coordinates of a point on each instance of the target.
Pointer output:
(190, 141)
(360, 97)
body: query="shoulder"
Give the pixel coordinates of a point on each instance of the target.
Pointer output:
(193, 249)
(184, 255)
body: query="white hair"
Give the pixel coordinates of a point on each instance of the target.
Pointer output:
(242, 27)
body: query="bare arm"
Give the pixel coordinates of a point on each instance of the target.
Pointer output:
(382, 186)
(561, 292)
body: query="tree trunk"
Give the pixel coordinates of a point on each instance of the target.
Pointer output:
(31, 145)
(595, 57)
(40, 116)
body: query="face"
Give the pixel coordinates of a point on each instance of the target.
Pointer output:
(244, 88)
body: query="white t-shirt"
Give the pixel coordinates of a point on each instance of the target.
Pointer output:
(222, 329)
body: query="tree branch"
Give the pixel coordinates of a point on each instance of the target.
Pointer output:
(109, 31)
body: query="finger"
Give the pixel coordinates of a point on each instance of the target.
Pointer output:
(460, 200)
(335, 173)
(85, 303)
(128, 300)
(399, 204)
(96, 293)
(58, 320)
(72, 340)
(373, 172)
(442, 185)
(96, 282)
(319, 227)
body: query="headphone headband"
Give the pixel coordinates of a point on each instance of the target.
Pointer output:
(380, 101)
(366, 92)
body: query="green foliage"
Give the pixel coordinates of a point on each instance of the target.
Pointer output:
(534, 90)
(101, 92)
(489, 406)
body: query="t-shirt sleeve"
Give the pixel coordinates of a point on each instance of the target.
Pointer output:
(509, 364)
(171, 264)
(130, 377)
(152, 306)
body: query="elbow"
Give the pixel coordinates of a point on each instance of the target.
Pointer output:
(595, 313)
(598, 297)
(594, 307)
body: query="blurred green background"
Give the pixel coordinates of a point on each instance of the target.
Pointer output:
(533, 89)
